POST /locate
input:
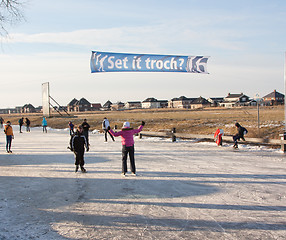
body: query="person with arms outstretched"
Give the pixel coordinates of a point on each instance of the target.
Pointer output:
(127, 145)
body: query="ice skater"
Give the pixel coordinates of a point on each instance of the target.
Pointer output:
(8, 130)
(21, 122)
(85, 127)
(77, 144)
(241, 131)
(105, 125)
(218, 136)
(44, 124)
(1, 122)
(28, 122)
(71, 127)
(127, 145)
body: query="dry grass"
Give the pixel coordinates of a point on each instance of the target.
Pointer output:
(204, 121)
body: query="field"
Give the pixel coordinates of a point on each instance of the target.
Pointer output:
(202, 121)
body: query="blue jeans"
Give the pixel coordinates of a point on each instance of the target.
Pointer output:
(8, 142)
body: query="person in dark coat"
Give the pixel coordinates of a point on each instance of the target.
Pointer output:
(86, 127)
(21, 122)
(77, 144)
(28, 122)
(241, 131)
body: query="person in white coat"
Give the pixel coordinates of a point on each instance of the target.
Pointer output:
(105, 125)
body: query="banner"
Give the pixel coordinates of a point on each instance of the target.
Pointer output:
(124, 62)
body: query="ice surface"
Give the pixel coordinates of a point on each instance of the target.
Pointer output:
(183, 190)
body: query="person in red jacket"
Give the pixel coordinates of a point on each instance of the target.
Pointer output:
(127, 145)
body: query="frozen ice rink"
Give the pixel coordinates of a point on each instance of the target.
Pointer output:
(183, 190)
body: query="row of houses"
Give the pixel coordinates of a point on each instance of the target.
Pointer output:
(231, 100)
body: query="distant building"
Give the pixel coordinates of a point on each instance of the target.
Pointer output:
(163, 103)
(28, 108)
(181, 102)
(215, 101)
(71, 107)
(96, 106)
(151, 103)
(107, 105)
(232, 100)
(273, 98)
(200, 102)
(81, 105)
(133, 105)
(117, 106)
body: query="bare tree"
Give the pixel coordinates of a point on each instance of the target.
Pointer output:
(10, 13)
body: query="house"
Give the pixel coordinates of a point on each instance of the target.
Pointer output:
(117, 106)
(215, 101)
(96, 106)
(151, 103)
(181, 102)
(133, 105)
(28, 108)
(79, 106)
(71, 107)
(107, 105)
(273, 98)
(200, 102)
(232, 100)
(163, 103)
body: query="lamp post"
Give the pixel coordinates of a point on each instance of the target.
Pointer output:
(258, 99)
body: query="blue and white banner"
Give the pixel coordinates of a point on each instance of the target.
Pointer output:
(124, 62)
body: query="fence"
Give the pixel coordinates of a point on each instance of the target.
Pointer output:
(174, 135)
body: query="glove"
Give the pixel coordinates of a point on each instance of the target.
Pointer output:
(108, 128)
(143, 123)
(87, 149)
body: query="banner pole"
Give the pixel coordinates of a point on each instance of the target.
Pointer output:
(285, 94)
(283, 136)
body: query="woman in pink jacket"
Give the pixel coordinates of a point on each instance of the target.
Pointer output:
(127, 145)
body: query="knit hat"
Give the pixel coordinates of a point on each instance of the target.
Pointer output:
(126, 125)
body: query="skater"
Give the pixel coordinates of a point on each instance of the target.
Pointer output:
(44, 124)
(105, 125)
(28, 122)
(218, 136)
(77, 144)
(21, 122)
(86, 127)
(241, 131)
(71, 127)
(127, 145)
(1, 122)
(8, 130)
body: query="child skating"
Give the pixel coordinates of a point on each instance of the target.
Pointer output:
(77, 144)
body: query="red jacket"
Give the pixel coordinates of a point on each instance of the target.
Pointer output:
(127, 135)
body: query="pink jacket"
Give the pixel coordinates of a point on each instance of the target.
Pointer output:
(126, 135)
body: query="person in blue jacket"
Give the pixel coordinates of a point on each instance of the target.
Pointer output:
(44, 124)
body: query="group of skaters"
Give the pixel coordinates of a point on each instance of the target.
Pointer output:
(8, 130)
(21, 123)
(241, 131)
(79, 143)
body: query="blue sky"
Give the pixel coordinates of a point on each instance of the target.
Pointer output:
(246, 40)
